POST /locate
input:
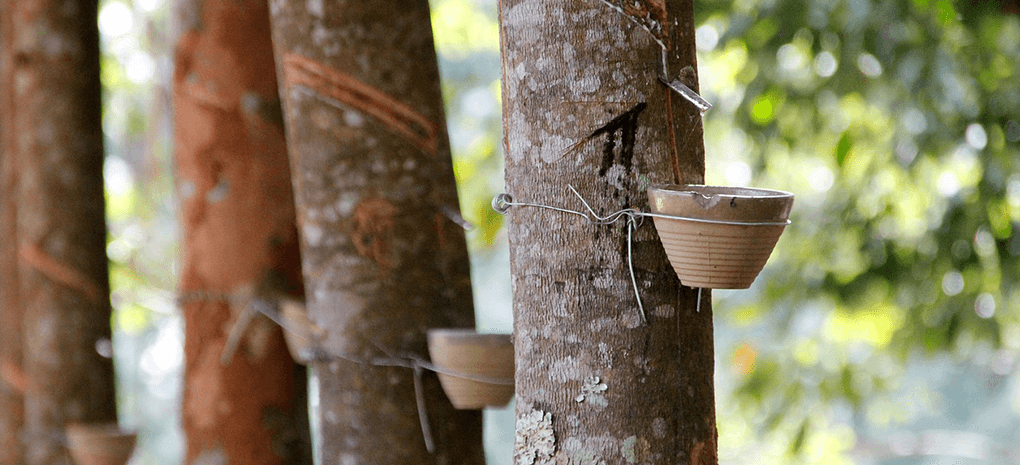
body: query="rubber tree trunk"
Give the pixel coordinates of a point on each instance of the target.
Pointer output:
(382, 262)
(12, 376)
(239, 243)
(11, 372)
(57, 140)
(583, 106)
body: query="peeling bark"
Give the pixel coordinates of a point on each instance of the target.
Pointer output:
(240, 242)
(11, 372)
(57, 139)
(372, 175)
(583, 106)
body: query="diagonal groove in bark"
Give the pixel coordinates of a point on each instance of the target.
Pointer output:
(329, 82)
(35, 257)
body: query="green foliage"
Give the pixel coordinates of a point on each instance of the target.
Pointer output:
(467, 40)
(141, 218)
(891, 121)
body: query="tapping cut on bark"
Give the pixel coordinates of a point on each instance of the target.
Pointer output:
(625, 123)
(33, 256)
(327, 83)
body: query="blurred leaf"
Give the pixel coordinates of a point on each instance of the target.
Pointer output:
(798, 439)
(842, 147)
(908, 110)
(133, 319)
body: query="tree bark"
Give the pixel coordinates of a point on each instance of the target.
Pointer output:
(11, 372)
(61, 224)
(382, 263)
(616, 389)
(240, 243)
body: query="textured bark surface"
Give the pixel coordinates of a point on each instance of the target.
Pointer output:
(57, 140)
(372, 177)
(11, 373)
(233, 179)
(616, 390)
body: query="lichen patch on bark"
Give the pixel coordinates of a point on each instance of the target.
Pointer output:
(535, 441)
(592, 449)
(567, 369)
(634, 449)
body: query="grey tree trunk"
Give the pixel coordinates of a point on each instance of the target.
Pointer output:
(374, 187)
(61, 223)
(583, 106)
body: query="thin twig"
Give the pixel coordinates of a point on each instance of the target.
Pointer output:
(662, 46)
(423, 415)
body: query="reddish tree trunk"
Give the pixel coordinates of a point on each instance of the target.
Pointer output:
(382, 263)
(57, 140)
(233, 179)
(594, 381)
(11, 373)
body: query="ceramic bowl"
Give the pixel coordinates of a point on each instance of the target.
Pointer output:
(719, 237)
(100, 444)
(470, 354)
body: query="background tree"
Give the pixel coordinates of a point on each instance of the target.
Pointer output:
(616, 388)
(11, 399)
(55, 152)
(382, 259)
(244, 399)
(895, 124)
